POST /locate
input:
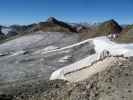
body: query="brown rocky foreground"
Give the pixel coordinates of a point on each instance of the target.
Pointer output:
(114, 83)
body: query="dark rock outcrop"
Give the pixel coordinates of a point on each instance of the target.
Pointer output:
(20, 29)
(2, 35)
(53, 25)
(109, 27)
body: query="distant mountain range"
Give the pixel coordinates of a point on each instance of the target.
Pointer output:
(54, 25)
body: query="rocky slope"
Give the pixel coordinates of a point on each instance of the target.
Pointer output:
(52, 25)
(84, 31)
(108, 27)
(113, 83)
(126, 35)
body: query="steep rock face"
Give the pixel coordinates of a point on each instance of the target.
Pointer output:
(110, 26)
(53, 25)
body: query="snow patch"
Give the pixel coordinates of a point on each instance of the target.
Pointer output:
(101, 44)
(21, 42)
(75, 66)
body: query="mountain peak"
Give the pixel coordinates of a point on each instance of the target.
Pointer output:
(52, 20)
(109, 26)
(112, 21)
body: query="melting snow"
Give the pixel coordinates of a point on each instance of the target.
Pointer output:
(101, 44)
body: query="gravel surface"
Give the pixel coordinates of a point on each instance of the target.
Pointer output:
(114, 83)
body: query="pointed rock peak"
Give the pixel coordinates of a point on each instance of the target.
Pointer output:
(52, 19)
(109, 26)
(111, 21)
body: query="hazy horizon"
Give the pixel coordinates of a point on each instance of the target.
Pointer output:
(74, 11)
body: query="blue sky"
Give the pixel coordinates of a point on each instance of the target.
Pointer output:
(29, 11)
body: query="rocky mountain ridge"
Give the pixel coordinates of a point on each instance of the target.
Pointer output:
(54, 25)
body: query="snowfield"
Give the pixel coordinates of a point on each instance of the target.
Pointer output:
(52, 55)
(38, 55)
(40, 39)
(101, 44)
